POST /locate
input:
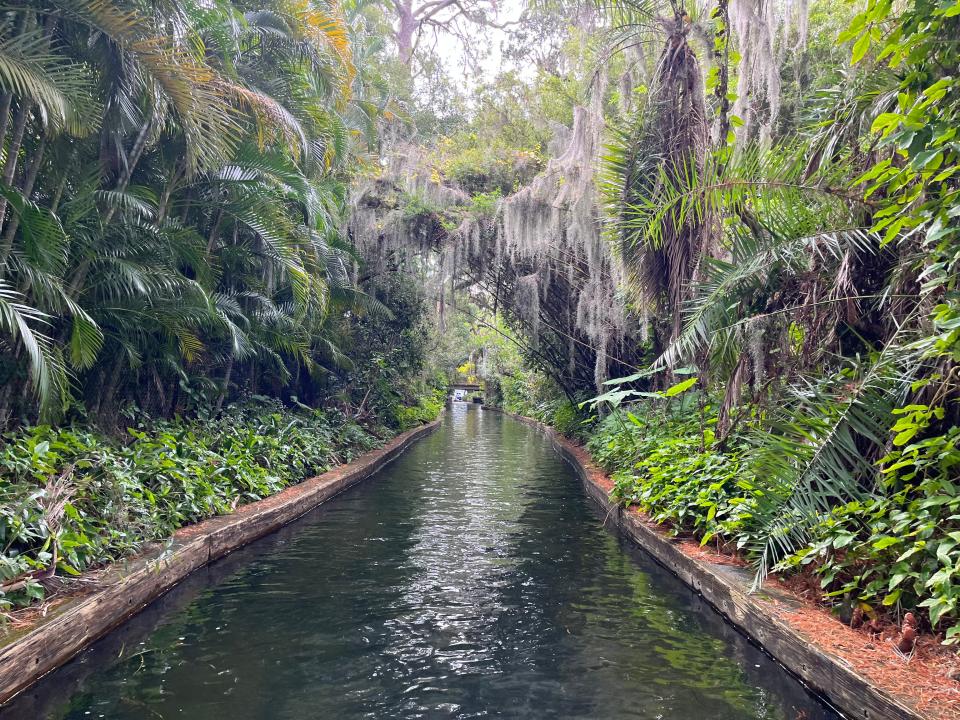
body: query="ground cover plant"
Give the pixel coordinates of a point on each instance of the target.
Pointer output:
(72, 498)
(893, 550)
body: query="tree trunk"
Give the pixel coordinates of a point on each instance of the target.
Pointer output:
(406, 28)
(139, 145)
(13, 151)
(20, 121)
(226, 383)
(214, 233)
(163, 207)
(106, 399)
(722, 58)
(25, 189)
(5, 100)
(55, 202)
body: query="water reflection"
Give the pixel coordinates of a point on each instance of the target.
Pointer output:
(470, 579)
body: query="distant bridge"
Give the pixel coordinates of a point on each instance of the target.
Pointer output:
(466, 387)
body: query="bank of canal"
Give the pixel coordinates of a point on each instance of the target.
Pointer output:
(470, 578)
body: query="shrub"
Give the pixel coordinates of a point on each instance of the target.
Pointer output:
(77, 498)
(485, 204)
(567, 419)
(426, 410)
(657, 465)
(900, 548)
(896, 549)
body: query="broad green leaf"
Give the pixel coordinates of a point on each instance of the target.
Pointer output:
(680, 387)
(860, 48)
(886, 542)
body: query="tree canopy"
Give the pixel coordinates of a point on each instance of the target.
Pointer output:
(738, 216)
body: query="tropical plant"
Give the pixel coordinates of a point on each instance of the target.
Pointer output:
(72, 498)
(171, 200)
(811, 282)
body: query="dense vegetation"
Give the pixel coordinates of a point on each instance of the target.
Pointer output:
(781, 201)
(172, 199)
(175, 176)
(73, 498)
(716, 239)
(809, 283)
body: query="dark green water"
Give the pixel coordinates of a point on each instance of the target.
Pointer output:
(469, 579)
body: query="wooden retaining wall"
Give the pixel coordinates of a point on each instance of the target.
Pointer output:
(128, 587)
(726, 588)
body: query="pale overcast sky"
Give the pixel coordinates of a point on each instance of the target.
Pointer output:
(451, 49)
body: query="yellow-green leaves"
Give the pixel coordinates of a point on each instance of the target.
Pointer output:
(860, 48)
(951, 10)
(680, 387)
(866, 28)
(912, 420)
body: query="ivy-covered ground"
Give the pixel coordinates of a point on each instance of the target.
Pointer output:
(73, 498)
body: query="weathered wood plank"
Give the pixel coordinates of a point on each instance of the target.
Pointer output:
(128, 587)
(726, 589)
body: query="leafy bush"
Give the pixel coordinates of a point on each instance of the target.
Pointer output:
(897, 549)
(426, 410)
(657, 465)
(485, 204)
(900, 548)
(415, 206)
(567, 419)
(388, 352)
(76, 498)
(497, 168)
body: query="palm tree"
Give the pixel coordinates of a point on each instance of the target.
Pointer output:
(171, 196)
(766, 272)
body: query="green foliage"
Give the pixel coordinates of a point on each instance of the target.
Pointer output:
(658, 465)
(503, 146)
(417, 206)
(387, 379)
(896, 548)
(822, 308)
(901, 547)
(480, 168)
(427, 409)
(485, 203)
(117, 494)
(567, 419)
(534, 395)
(172, 201)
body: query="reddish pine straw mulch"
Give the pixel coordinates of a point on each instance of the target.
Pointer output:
(921, 679)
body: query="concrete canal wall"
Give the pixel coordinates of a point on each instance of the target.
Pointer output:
(727, 588)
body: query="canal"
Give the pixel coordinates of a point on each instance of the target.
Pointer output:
(471, 578)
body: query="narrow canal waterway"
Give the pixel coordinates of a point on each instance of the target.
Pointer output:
(469, 579)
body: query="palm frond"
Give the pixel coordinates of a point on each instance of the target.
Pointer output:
(60, 87)
(821, 447)
(19, 319)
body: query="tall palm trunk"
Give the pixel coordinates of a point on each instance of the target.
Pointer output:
(126, 174)
(671, 141)
(19, 126)
(13, 154)
(26, 189)
(225, 388)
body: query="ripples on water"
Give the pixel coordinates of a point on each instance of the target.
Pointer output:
(470, 579)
